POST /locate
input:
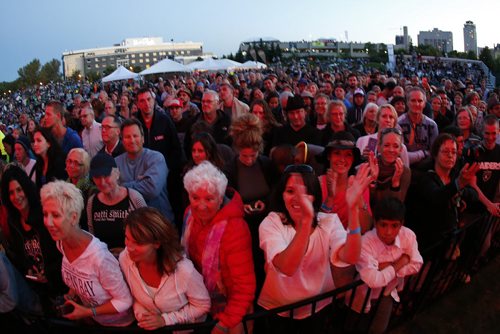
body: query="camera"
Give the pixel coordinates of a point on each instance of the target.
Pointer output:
(472, 151)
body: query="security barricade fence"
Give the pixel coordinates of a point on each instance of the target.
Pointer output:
(446, 264)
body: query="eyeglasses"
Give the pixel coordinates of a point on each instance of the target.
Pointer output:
(107, 127)
(301, 168)
(391, 130)
(71, 162)
(448, 152)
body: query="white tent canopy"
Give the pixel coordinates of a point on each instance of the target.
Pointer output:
(166, 66)
(121, 73)
(250, 64)
(214, 65)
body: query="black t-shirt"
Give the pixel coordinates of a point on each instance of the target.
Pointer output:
(35, 265)
(107, 221)
(488, 176)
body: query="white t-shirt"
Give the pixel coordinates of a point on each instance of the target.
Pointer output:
(96, 278)
(314, 276)
(180, 298)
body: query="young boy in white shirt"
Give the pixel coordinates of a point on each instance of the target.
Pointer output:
(389, 253)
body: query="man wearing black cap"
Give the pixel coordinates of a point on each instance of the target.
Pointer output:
(185, 95)
(297, 129)
(355, 113)
(22, 154)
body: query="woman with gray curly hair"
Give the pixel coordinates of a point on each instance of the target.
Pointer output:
(97, 287)
(217, 240)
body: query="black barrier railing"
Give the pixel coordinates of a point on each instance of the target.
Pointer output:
(446, 264)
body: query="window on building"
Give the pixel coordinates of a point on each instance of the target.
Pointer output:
(133, 61)
(132, 55)
(141, 61)
(146, 55)
(154, 54)
(155, 59)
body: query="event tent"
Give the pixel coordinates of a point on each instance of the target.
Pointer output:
(121, 73)
(214, 65)
(250, 64)
(166, 66)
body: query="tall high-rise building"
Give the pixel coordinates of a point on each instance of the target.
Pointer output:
(403, 41)
(441, 40)
(470, 37)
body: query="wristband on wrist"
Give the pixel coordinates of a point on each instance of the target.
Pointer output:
(222, 328)
(355, 231)
(94, 313)
(326, 208)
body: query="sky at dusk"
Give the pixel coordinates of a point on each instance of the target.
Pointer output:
(44, 29)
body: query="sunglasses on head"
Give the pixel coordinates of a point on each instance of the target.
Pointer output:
(301, 168)
(392, 130)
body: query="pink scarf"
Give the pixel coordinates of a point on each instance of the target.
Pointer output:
(210, 261)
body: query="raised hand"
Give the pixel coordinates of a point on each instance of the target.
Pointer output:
(399, 168)
(304, 201)
(331, 182)
(467, 174)
(357, 185)
(373, 163)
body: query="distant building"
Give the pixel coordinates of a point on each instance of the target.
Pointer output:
(131, 52)
(496, 51)
(470, 37)
(320, 48)
(403, 41)
(441, 40)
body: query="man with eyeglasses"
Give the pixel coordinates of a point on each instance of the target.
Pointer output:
(216, 121)
(419, 131)
(110, 132)
(91, 133)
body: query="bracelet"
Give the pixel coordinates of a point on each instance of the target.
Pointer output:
(355, 231)
(222, 328)
(93, 311)
(326, 208)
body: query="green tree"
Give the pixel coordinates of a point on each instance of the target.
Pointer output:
(471, 55)
(487, 58)
(137, 69)
(93, 76)
(496, 70)
(428, 50)
(108, 70)
(12, 86)
(239, 57)
(76, 75)
(50, 71)
(30, 73)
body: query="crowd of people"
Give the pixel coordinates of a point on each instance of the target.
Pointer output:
(213, 195)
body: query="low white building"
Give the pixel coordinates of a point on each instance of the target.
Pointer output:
(130, 53)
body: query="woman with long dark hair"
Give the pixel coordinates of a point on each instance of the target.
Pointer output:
(26, 241)
(50, 160)
(300, 245)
